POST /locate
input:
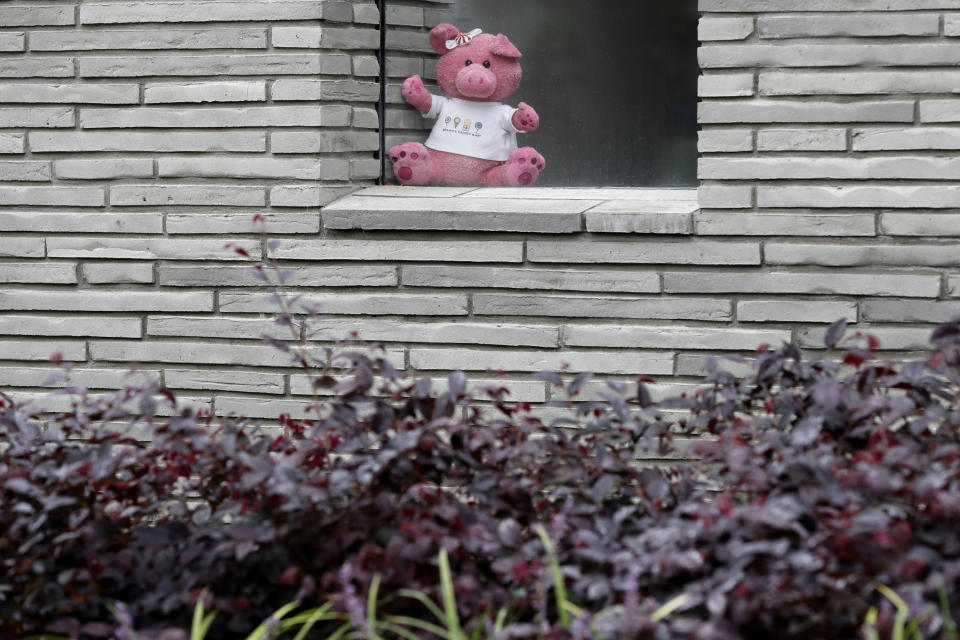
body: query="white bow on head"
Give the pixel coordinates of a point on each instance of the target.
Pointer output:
(463, 38)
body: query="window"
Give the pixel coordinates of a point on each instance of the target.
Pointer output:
(615, 85)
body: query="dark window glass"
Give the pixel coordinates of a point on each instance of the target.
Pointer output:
(614, 82)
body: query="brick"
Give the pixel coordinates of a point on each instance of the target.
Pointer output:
(404, 16)
(160, 141)
(773, 223)
(104, 169)
(229, 223)
(366, 169)
(109, 379)
(118, 272)
(408, 331)
(614, 363)
(27, 247)
(860, 196)
(12, 142)
(953, 286)
(807, 168)
(711, 29)
(827, 55)
(161, 117)
(502, 304)
(507, 278)
(726, 85)
(891, 338)
(920, 224)
(349, 90)
(20, 67)
(187, 194)
(798, 83)
(365, 66)
(403, 250)
(919, 138)
(311, 37)
(11, 41)
(25, 171)
(306, 195)
(70, 93)
(795, 311)
(364, 118)
(332, 276)
(38, 272)
(79, 222)
(644, 252)
(715, 196)
(520, 390)
(33, 15)
(94, 300)
(901, 284)
(195, 353)
(673, 223)
(724, 140)
(35, 117)
(69, 350)
(263, 408)
(939, 110)
(853, 25)
(338, 11)
(670, 337)
(909, 310)
(199, 11)
(213, 65)
(52, 196)
(146, 248)
(215, 327)
(399, 304)
(801, 140)
(115, 39)
(206, 380)
(371, 212)
(237, 91)
(227, 167)
(759, 111)
(366, 13)
(693, 365)
(848, 255)
(324, 141)
(951, 24)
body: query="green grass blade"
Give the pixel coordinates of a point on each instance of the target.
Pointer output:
(913, 628)
(261, 631)
(559, 588)
(669, 607)
(406, 634)
(341, 631)
(409, 621)
(501, 620)
(450, 616)
(871, 624)
(424, 600)
(903, 611)
(201, 622)
(318, 614)
(372, 606)
(949, 626)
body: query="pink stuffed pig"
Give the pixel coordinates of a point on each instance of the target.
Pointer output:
(474, 141)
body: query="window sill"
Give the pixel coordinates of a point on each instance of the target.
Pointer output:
(529, 210)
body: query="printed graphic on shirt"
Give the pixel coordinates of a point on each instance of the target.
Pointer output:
(476, 129)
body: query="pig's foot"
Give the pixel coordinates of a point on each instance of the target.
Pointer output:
(523, 167)
(411, 164)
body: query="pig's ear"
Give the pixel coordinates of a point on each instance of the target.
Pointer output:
(440, 34)
(503, 47)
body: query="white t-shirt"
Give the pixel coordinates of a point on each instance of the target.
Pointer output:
(476, 129)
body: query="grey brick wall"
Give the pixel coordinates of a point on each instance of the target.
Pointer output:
(138, 138)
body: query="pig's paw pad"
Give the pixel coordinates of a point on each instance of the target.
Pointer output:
(523, 167)
(410, 163)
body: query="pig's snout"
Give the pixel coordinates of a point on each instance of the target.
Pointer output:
(475, 81)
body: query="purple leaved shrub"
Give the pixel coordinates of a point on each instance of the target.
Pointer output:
(814, 481)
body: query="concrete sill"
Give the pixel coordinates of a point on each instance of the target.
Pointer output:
(532, 210)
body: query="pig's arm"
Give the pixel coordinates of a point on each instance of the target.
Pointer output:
(414, 92)
(525, 118)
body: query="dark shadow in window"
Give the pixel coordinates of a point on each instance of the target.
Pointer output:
(614, 82)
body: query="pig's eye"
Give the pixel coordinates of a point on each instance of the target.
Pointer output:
(486, 63)
(469, 62)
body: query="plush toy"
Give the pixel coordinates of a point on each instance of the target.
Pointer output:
(474, 141)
